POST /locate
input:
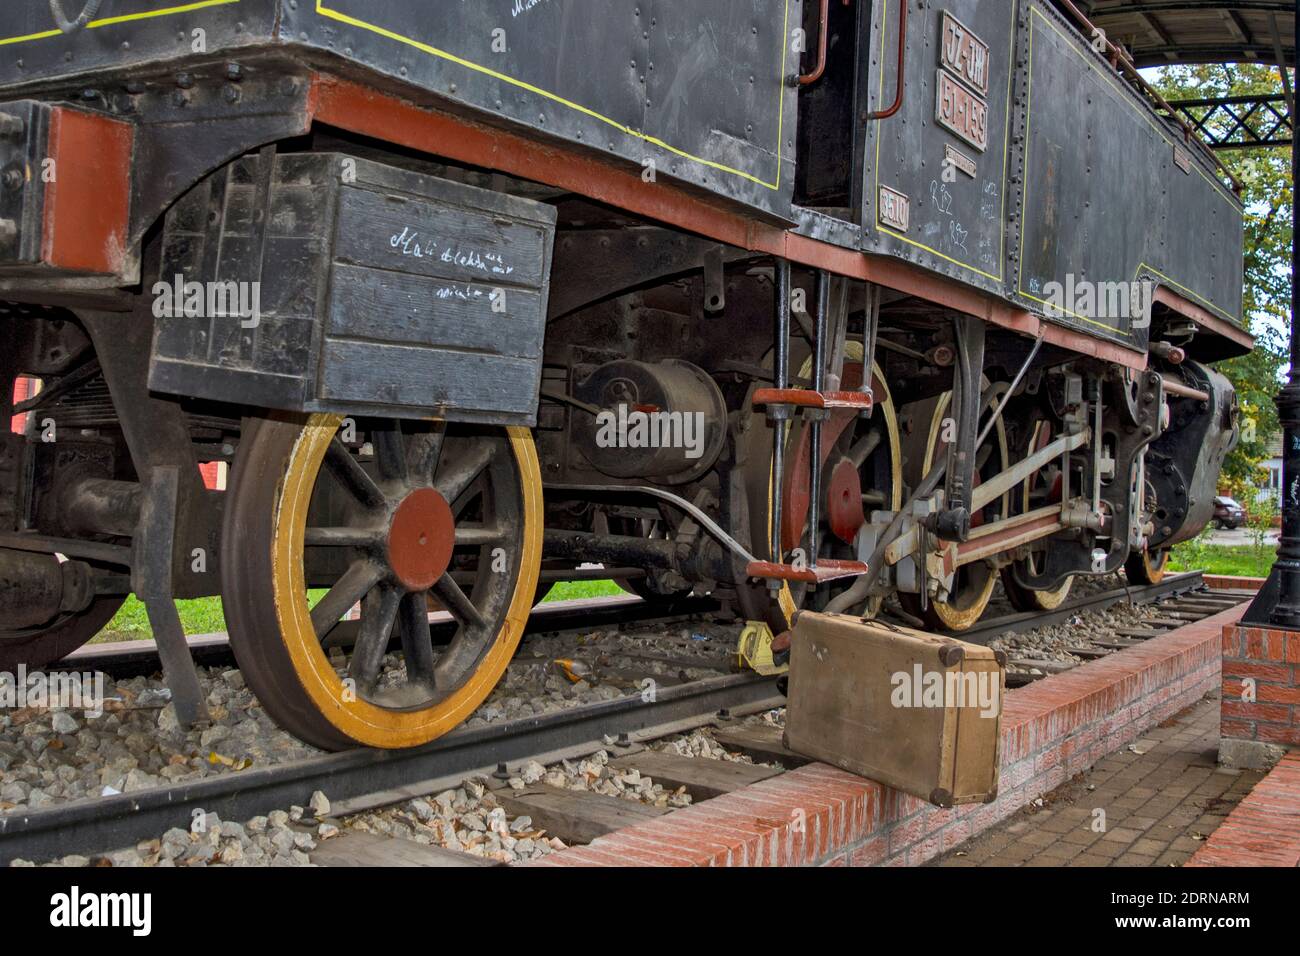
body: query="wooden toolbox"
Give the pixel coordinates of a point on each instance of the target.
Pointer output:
(914, 711)
(379, 291)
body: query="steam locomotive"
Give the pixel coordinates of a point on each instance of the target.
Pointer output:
(791, 304)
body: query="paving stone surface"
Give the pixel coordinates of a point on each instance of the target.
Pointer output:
(1152, 804)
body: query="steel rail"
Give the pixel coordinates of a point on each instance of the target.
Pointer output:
(136, 658)
(103, 824)
(362, 779)
(1174, 584)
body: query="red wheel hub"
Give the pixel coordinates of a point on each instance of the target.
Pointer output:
(844, 501)
(421, 539)
(794, 504)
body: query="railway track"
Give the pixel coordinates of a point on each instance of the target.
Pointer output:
(362, 780)
(136, 658)
(1174, 584)
(1180, 600)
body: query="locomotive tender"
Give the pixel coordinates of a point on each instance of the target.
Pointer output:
(469, 294)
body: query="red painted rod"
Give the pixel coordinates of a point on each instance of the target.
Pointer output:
(824, 30)
(902, 65)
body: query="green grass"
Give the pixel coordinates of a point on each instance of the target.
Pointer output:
(131, 623)
(578, 590)
(204, 615)
(1239, 560)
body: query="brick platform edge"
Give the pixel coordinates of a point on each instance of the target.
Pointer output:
(1264, 829)
(1271, 659)
(1228, 581)
(818, 815)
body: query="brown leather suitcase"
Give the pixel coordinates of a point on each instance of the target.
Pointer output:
(914, 711)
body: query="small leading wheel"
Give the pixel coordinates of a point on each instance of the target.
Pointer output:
(404, 517)
(1044, 488)
(1147, 568)
(973, 583)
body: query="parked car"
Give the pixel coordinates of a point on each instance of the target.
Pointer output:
(1228, 514)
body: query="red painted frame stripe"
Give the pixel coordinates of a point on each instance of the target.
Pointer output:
(88, 199)
(369, 112)
(88, 205)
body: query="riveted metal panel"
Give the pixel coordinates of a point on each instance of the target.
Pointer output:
(951, 175)
(22, 187)
(711, 87)
(1108, 193)
(697, 89)
(692, 91)
(364, 288)
(123, 34)
(76, 222)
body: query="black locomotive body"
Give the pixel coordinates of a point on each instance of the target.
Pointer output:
(787, 303)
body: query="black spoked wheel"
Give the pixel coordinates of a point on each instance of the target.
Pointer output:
(1043, 488)
(973, 583)
(405, 519)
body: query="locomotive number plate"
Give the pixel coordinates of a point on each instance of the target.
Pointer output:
(965, 54)
(962, 112)
(895, 209)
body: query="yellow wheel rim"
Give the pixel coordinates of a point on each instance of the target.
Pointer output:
(1044, 600)
(1155, 570)
(358, 719)
(952, 617)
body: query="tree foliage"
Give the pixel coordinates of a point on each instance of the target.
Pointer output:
(1268, 196)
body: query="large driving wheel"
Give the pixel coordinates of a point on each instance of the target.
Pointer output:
(1043, 488)
(862, 472)
(973, 583)
(404, 517)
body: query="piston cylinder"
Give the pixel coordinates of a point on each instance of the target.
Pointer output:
(665, 421)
